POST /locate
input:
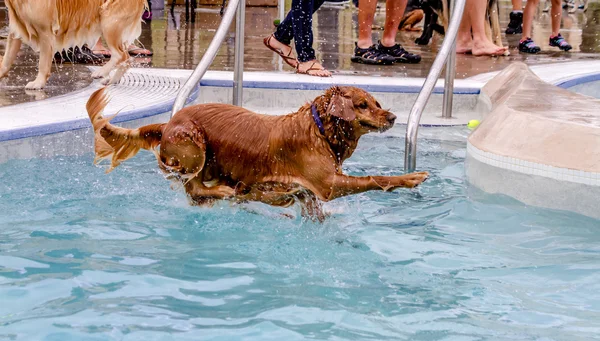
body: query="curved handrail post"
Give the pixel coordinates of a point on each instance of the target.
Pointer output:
(207, 58)
(412, 126)
(238, 68)
(449, 79)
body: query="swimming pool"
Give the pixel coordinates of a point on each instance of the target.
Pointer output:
(89, 256)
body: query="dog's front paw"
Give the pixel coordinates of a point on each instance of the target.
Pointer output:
(35, 85)
(3, 72)
(415, 179)
(105, 81)
(99, 74)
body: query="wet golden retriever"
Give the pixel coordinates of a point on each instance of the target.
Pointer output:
(221, 151)
(49, 26)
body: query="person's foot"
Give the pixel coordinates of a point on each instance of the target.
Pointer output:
(515, 26)
(464, 46)
(135, 51)
(313, 68)
(487, 48)
(371, 55)
(560, 42)
(283, 50)
(399, 54)
(528, 46)
(99, 49)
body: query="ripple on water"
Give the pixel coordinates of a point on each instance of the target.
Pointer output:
(89, 256)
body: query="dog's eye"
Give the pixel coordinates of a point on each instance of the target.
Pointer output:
(378, 105)
(363, 105)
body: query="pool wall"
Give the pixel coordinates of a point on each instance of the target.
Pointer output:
(60, 126)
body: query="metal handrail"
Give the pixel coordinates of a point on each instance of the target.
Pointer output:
(209, 55)
(238, 64)
(412, 126)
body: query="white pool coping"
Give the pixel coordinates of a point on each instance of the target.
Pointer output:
(145, 92)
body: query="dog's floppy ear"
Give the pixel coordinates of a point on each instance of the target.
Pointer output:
(342, 107)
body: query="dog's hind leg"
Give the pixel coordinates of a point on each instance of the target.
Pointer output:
(203, 195)
(183, 152)
(118, 50)
(430, 20)
(13, 45)
(312, 207)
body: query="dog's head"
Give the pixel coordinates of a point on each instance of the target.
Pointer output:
(347, 113)
(354, 109)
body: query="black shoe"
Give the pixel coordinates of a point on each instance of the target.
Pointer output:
(78, 55)
(560, 42)
(515, 26)
(399, 54)
(528, 46)
(371, 56)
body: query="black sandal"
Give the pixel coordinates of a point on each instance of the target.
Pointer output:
(288, 59)
(311, 68)
(371, 56)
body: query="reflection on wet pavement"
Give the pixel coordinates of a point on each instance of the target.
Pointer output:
(177, 43)
(180, 44)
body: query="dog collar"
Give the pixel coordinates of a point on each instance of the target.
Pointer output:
(317, 119)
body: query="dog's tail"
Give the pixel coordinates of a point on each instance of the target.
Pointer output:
(116, 143)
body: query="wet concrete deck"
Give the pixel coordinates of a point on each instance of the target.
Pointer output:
(178, 43)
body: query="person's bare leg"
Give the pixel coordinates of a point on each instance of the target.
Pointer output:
(482, 46)
(556, 13)
(366, 15)
(464, 40)
(517, 5)
(394, 10)
(528, 14)
(100, 49)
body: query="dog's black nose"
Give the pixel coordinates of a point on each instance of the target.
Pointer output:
(390, 117)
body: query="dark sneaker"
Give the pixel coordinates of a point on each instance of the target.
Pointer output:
(560, 42)
(399, 54)
(78, 55)
(528, 46)
(515, 26)
(371, 56)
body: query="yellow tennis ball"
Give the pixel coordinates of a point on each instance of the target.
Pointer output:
(473, 124)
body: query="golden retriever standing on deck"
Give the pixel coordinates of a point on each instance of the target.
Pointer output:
(221, 151)
(49, 26)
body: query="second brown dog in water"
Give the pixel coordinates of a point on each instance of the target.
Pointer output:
(221, 151)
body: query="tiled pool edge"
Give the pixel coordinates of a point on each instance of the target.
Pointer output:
(533, 168)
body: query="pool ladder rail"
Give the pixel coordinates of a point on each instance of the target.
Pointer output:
(446, 56)
(211, 52)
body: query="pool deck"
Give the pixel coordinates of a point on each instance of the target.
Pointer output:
(178, 43)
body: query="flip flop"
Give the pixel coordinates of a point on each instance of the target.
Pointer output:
(311, 68)
(139, 52)
(288, 59)
(103, 53)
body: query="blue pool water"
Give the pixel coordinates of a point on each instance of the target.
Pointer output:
(89, 256)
